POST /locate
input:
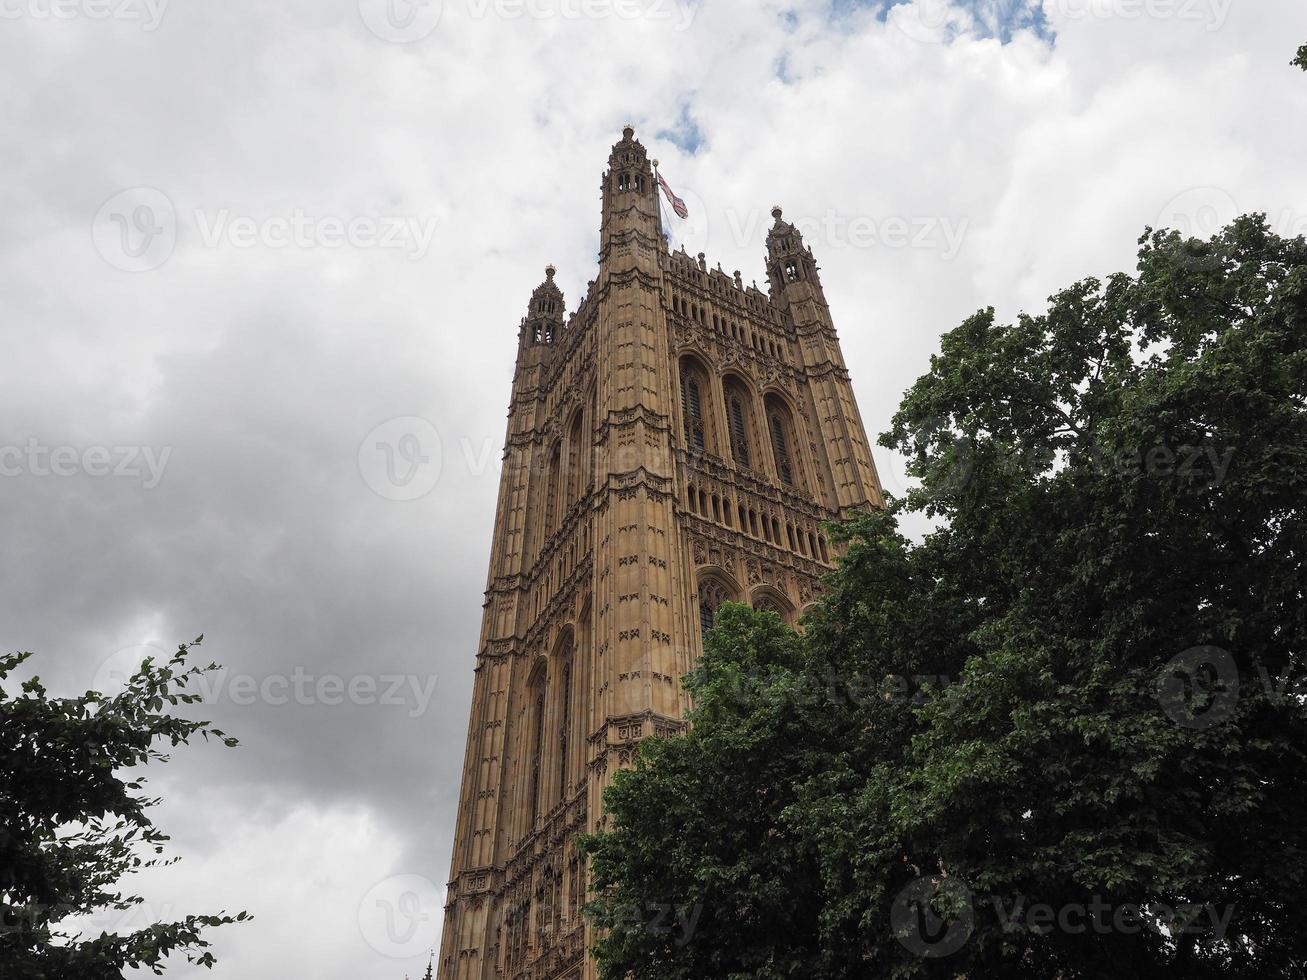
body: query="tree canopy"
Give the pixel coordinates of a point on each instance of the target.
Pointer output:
(1062, 736)
(74, 822)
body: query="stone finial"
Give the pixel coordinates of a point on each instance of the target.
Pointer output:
(628, 132)
(776, 213)
(549, 272)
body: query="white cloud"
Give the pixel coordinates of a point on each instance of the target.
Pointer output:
(265, 367)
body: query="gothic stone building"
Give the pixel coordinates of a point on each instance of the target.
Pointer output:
(675, 443)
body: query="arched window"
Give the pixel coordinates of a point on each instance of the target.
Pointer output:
(694, 387)
(565, 729)
(737, 417)
(712, 593)
(551, 495)
(538, 689)
(575, 458)
(780, 427)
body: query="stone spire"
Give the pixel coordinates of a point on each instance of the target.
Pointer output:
(544, 317)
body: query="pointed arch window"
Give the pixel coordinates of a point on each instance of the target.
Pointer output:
(781, 450)
(712, 593)
(692, 406)
(737, 415)
(551, 491)
(537, 742)
(564, 731)
(575, 458)
(784, 444)
(706, 614)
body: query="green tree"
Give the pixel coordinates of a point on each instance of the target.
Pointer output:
(74, 822)
(1060, 737)
(1301, 60)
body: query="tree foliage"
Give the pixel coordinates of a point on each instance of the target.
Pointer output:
(1075, 698)
(74, 822)
(1301, 60)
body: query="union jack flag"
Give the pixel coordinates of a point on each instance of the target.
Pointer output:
(677, 204)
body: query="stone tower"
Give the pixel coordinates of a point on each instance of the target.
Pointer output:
(674, 443)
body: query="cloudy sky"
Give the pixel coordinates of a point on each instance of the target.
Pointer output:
(261, 271)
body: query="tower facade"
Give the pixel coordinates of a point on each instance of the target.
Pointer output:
(673, 444)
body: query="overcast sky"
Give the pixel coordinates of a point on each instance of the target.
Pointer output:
(261, 271)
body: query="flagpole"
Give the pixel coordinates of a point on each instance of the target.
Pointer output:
(658, 196)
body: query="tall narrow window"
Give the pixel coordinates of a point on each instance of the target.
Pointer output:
(712, 593)
(537, 747)
(693, 405)
(705, 618)
(575, 459)
(551, 493)
(784, 443)
(780, 447)
(564, 733)
(739, 430)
